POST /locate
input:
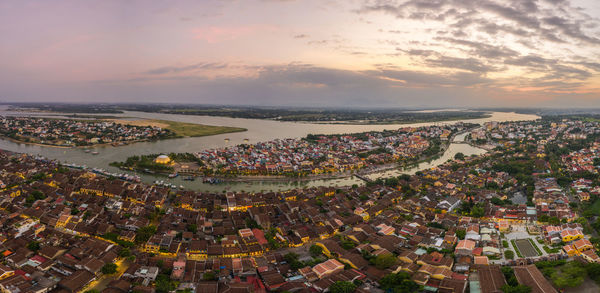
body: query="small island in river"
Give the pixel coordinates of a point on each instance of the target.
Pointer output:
(93, 132)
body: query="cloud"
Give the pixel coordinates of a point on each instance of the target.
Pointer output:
(470, 64)
(187, 68)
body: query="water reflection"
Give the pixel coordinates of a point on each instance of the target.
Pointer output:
(258, 130)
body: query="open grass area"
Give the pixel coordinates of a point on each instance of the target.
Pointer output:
(183, 129)
(593, 209)
(193, 130)
(551, 250)
(512, 242)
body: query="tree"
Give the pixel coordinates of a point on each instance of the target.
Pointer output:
(553, 221)
(192, 228)
(459, 156)
(342, 287)
(109, 269)
(143, 234)
(315, 250)
(593, 270)
(292, 259)
(124, 252)
(164, 284)
(399, 283)
(515, 289)
(497, 201)
(477, 212)
(572, 274)
(509, 254)
(209, 276)
(33, 246)
(384, 261)
(461, 233)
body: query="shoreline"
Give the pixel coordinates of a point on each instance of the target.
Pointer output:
(487, 114)
(76, 146)
(326, 176)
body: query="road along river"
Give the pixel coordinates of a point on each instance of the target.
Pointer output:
(258, 130)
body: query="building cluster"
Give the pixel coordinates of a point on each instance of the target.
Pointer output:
(325, 153)
(442, 229)
(65, 132)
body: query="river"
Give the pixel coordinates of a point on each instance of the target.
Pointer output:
(258, 130)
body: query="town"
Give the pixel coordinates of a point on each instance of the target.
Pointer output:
(521, 218)
(71, 133)
(312, 156)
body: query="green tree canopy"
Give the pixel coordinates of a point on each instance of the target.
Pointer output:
(109, 269)
(342, 287)
(384, 261)
(399, 283)
(315, 250)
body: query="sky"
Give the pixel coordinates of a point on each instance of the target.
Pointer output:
(316, 53)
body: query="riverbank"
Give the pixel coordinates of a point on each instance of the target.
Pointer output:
(369, 171)
(170, 130)
(182, 129)
(399, 122)
(258, 130)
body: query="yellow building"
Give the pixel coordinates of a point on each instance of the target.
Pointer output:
(5, 272)
(163, 159)
(570, 235)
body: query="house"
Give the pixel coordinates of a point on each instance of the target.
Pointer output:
(450, 239)
(448, 204)
(473, 232)
(178, 270)
(355, 260)
(503, 226)
(76, 281)
(569, 235)
(487, 278)
(590, 256)
(327, 268)
(330, 248)
(408, 256)
(568, 249)
(449, 285)
(465, 247)
(582, 245)
(5, 272)
(532, 277)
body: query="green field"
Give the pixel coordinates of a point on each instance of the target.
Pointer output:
(193, 130)
(594, 209)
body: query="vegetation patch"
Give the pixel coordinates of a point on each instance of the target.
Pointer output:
(183, 129)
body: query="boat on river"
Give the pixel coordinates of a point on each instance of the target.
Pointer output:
(212, 180)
